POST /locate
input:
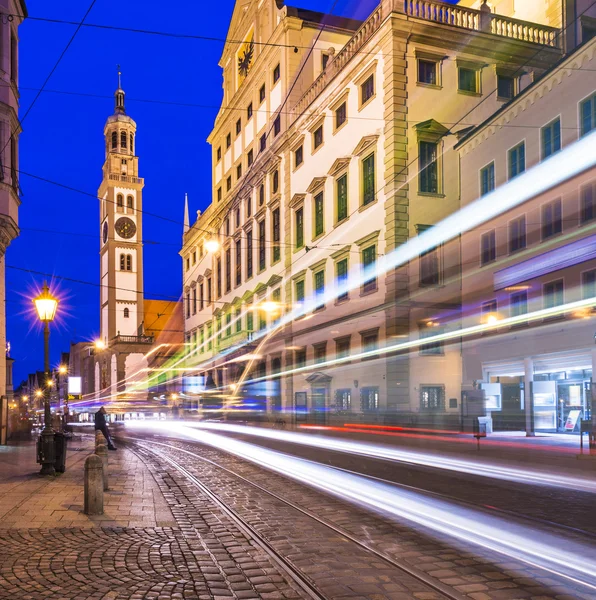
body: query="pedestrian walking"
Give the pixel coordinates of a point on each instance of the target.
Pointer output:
(102, 425)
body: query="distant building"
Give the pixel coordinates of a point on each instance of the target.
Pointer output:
(10, 132)
(324, 162)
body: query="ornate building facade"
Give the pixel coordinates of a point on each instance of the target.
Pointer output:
(332, 148)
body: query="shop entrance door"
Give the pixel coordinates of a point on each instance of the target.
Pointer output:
(319, 402)
(571, 405)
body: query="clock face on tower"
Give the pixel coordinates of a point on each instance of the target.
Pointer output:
(125, 227)
(105, 232)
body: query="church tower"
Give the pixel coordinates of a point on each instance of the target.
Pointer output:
(121, 229)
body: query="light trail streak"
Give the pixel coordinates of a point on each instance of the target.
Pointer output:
(567, 558)
(483, 469)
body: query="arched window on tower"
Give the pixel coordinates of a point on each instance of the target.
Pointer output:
(122, 262)
(123, 139)
(132, 146)
(120, 203)
(130, 204)
(129, 262)
(114, 140)
(126, 313)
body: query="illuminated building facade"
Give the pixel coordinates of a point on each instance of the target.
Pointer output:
(10, 191)
(324, 162)
(539, 256)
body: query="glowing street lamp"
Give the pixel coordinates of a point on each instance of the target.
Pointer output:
(99, 345)
(212, 245)
(46, 305)
(63, 370)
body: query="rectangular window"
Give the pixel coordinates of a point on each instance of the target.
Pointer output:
(300, 359)
(188, 305)
(429, 167)
(249, 112)
(298, 157)
(276, 235)
(209, 335)
(432, 398)
(238, 126)
(299, 218)
(299, 291)
(194, 300)
(250, 158)
(201, 297)
(228, 324)
(277, 126)
(248, 207)
(249, 320)
(427, 72)
(551, 138)
(342, 197)
(588, 115)
(202, 340)
(249, 254)
(320, 353)
(589, 284)
(552, 219)
(343, 400)
(219, 154)
(262, 94)
(370, 341)
(218, 276)
(218, 329)
(228, 184)
(276, 73)
(341, 114)
(209, 291)
(262, 142)
(319, 215)
(519, 303)
(468, 80)
(238, 319)
(228, 140)
(430, 268)
(369, 261)
(219, 194)
(342, 347)
(324, 60)
(239, 171)
(505, 87)
(262, 316)
(341, 269)
(488, 310)
(588, 207)
(276, 297)
(431, 348)
(517, 234)
(487, 179)
(367, 90)
(318, 136)
(553, 293)
(369, 399)
(488, 247)
(262, 260)
(368, 180)
(238, 263)
(228, 269)
(517, 160)
(319, 289)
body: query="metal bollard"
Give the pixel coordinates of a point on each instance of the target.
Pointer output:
(93, 485)
(102, 452)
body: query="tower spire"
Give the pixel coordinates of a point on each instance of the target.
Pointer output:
(186, 218)
(119, 94)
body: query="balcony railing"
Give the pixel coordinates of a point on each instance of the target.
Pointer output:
(428, 10)
(133, 339)
(233, 340)
(125, 178)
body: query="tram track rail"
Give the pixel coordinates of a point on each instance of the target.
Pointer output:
(302, 580)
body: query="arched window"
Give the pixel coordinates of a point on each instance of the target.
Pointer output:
(129, 262)
(126, 313)
(122, 262)
(114, 140)
(119, 202)
(275, 181)
(132, 137)
(130, 203)
(123, 139)
(261, 194)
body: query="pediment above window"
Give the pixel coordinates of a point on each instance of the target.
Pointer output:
(368, 142)
(315, 184)
(431, 130)
(297, 199)
(339, 165)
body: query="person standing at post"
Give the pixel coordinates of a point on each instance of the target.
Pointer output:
(102, 425)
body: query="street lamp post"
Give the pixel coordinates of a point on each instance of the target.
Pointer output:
(46, 305)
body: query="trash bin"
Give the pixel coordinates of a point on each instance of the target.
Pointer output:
(60, 446)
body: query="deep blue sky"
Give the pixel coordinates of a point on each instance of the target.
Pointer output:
(63, 142)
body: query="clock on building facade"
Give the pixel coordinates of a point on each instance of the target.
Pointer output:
(125, 227)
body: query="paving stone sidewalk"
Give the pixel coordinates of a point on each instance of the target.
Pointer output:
(137, 550)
